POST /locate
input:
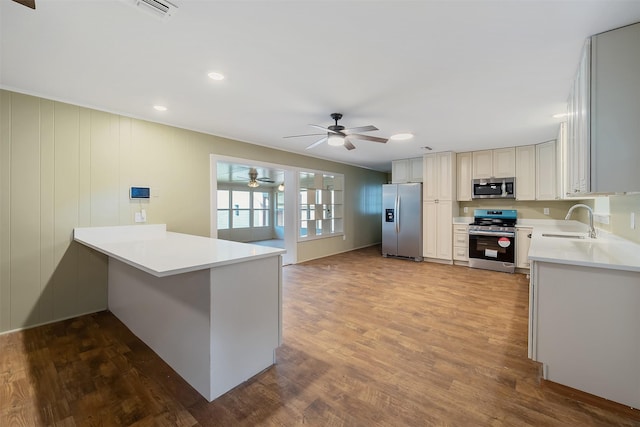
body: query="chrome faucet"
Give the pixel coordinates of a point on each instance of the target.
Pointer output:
(592, 230)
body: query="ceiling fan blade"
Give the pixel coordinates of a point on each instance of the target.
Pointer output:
(315, 144)
(306, 134)
(368, 138)
(325, 129)
(369, 128)
(29, 3)
(348, 145)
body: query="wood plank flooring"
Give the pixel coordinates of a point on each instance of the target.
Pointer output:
(368, 341)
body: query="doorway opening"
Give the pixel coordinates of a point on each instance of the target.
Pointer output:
(253, 202)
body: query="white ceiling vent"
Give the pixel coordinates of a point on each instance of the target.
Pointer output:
(162, 9)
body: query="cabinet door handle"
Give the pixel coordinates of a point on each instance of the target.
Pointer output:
(529, 235)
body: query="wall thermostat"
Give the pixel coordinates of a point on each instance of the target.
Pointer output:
(139, 193)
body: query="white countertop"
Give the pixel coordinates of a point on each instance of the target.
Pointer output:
(606, 251)
(466, 220)
(163, 253)
(549, 223)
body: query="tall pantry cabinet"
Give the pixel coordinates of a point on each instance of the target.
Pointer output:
(439, 195)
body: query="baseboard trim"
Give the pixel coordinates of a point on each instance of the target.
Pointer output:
(24, 328)
(591, 399)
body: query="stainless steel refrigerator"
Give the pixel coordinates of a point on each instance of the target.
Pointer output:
(402, 220)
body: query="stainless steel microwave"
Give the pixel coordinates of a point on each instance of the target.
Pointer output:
(493, 188)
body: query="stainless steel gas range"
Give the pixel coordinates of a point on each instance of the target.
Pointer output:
(492, 239)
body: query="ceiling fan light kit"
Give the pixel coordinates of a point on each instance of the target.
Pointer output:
(253, 179)
(335, 140)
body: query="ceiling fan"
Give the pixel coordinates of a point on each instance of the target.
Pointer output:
(29, 3)
(254, 180)
(339, 135)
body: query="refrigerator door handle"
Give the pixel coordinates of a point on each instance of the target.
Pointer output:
(397, 214)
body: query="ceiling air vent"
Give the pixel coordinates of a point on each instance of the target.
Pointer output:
(162, 9)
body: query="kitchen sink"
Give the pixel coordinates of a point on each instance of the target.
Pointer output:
(565, 236)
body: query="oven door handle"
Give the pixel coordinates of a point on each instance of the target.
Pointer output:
(491, 233)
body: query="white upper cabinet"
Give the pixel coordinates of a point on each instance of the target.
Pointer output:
(400, 171)
(578, 138)
(526, 172)
(546, 175)
(561, 162)
(415, 169)
(603, 107)
(439, 175)
(406, 170)
(498, 163)
(615, 110)
(504, 162)
(482, 164)
(464, 168)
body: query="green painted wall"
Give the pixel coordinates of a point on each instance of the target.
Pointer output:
(64, 166)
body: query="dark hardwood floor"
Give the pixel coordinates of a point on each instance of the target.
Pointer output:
(368, 341)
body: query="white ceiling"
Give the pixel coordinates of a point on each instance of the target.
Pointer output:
(460, 75)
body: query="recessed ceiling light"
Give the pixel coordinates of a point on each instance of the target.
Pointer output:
(216, 76)
(401, 136)
(559, 116)
(160, 107)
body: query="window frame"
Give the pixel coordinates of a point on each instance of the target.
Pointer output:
(320, 205)
(233, 211)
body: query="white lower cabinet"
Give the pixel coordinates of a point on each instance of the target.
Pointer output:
(461, 242)
(437, 237)
(583, 328)
(523, 241)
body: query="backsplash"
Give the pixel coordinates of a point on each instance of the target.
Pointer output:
(526, 209)
(621, 208)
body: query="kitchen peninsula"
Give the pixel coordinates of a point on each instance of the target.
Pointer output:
(210, 308)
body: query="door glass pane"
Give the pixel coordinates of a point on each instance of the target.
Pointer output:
(223, 219)
(280, 209)
(261, 200)
(223, 199)
(240, 218)
(260, 218)
(241, 199)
